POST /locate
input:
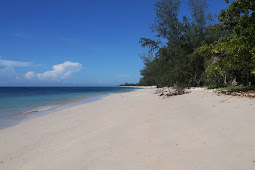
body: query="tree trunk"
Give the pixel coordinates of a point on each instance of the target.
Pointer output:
(234, 83)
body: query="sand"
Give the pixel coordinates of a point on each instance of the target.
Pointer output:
(137, 130)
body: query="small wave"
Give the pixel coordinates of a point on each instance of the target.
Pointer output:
(43, 108)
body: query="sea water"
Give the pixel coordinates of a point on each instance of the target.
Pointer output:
(18, 103)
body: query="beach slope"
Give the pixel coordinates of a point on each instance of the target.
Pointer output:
(137, 130)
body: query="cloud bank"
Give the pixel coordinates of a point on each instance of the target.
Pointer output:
(58, 72)
(10, 63)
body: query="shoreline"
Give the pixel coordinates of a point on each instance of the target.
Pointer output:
(137, 130)
(16, 118)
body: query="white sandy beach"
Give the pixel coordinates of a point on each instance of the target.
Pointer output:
(137, 131)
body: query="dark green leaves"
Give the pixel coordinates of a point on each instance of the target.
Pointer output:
(198, 53)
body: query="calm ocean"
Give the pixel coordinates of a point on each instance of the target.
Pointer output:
(19, 103)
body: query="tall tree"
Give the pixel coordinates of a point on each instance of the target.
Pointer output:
(236, 52)
(174, 62)
(166, 24)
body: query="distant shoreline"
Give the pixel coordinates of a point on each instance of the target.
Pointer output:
(143, 87)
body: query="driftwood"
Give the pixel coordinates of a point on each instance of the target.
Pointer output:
(159, 90)
(165, 92)
(169, 91)
(179, 90)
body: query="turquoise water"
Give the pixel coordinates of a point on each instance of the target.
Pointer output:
(18, 103)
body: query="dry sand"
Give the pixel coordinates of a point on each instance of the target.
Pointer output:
(136, 130)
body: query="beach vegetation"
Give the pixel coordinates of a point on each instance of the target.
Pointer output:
(129, 84)
(238, 89)
(201, 50)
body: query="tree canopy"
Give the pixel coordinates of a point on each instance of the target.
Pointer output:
(198, 51)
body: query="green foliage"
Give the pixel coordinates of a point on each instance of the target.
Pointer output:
(212, 87)
(238, 89)
(198, 52)
(234, 52)
(152, 44)
(175, 63)
(239, 16)
(166, 23)
(129, 84)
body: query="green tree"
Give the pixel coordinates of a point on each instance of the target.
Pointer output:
(175, 62)
(235, 52)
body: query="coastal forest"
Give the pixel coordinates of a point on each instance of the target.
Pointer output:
(200, 49)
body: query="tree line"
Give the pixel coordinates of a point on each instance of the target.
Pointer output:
(200, 50)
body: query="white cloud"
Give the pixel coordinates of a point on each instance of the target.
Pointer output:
(30, 75)
(7, 71)
(60, 71)
(10, 63)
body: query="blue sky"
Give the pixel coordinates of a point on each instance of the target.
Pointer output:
(75, 42)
